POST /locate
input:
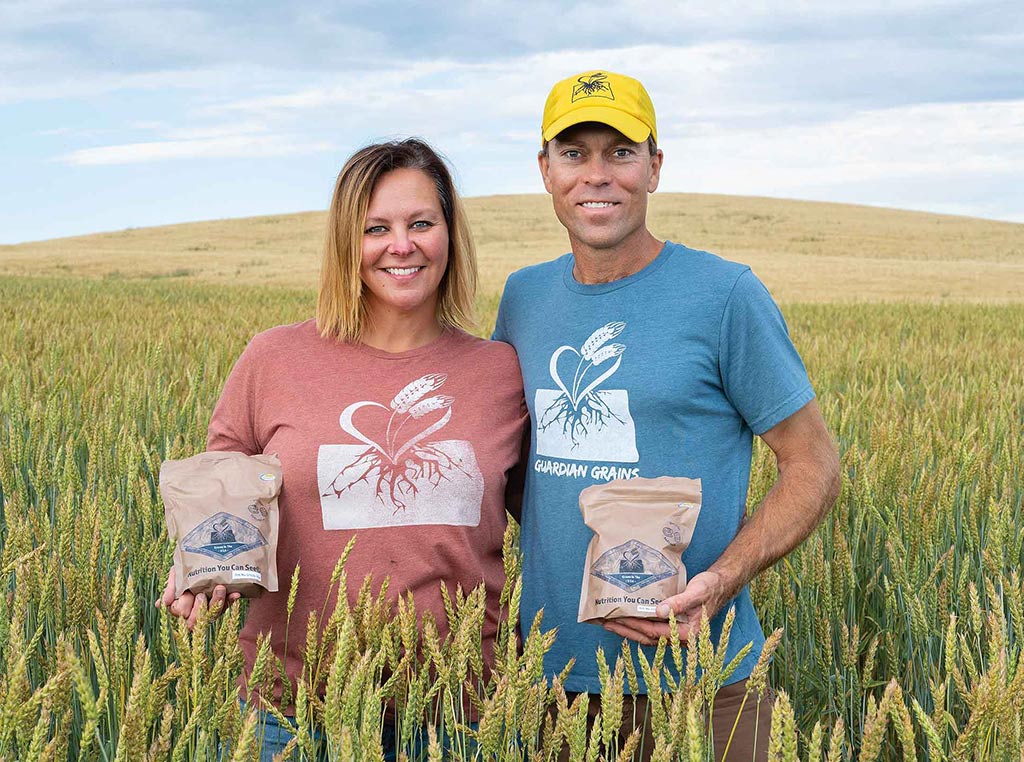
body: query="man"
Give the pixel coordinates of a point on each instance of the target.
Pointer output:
(647, 358)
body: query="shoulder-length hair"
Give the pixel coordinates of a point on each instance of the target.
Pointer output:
(341, 307)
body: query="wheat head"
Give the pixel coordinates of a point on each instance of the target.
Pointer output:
(414, 391)
(600, 337)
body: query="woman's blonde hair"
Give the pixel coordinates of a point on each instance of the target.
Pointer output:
(341, 308)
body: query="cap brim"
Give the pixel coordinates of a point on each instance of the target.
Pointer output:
(628, 125)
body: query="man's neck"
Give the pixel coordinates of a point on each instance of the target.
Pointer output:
(593, 266)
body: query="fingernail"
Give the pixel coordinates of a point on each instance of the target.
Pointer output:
(662, 610)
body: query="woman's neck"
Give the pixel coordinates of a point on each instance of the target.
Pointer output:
(400, 333)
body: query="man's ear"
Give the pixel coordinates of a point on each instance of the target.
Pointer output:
(656, 162)
(545, 164)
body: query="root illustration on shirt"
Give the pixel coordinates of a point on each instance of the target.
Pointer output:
(395, 482)
(591, 412)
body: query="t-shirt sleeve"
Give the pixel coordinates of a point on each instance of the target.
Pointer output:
(501, 324)
(762, 373)
(233, 423)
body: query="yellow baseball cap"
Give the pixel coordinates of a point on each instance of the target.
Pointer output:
(600, 96)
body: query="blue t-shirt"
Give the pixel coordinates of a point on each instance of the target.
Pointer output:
(667, 372)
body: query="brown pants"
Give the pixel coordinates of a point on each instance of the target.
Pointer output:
(755, 718)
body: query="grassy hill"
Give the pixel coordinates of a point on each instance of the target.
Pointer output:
(804, 251)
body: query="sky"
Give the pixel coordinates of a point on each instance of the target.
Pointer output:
(128, 113)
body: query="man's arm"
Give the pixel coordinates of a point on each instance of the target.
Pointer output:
(516, 484)
(807, 486)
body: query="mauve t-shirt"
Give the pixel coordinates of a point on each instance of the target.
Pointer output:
(409, 451)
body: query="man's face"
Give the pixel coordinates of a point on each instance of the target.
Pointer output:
(599, 180)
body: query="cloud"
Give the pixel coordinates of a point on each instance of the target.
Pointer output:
(906, 102)
(374, 90)
(232, 129)
(936, 139)
(236, 146)
(488, 30)
(952, 157)
(451, 96)
(51, 50)
(717, 140)
(72, 85)
(25, 15)
(915, 41)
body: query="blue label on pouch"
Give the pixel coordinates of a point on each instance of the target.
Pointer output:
(223, 536)
(633, 565)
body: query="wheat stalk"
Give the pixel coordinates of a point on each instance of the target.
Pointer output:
(927, 528)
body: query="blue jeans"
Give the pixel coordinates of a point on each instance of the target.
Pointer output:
(273, 736)
(276, 736)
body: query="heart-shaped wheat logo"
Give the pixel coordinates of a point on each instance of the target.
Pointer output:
(410, 404)
(594, 352)
(580, 406)
(401, 456)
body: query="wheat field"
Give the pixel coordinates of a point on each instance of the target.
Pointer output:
(899, 623)
(804, 251)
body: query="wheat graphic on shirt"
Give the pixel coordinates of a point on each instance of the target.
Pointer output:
(580, 409)
(404, 462)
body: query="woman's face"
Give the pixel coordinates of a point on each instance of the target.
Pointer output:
(405, 247)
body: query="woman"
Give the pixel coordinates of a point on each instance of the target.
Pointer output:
(391, 422)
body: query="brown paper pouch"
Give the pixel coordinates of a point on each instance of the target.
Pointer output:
(221, 509)
(641, 528)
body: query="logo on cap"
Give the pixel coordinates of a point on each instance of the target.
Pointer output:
(593, 86)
